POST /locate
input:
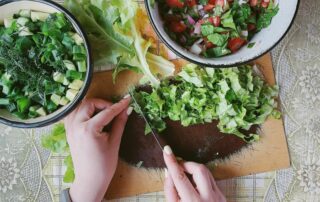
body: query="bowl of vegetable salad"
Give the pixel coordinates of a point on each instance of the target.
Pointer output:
(45, 63)
(221, 33)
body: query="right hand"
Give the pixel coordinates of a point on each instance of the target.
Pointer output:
(178, 187)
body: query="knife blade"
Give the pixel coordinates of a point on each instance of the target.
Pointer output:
(160, 141)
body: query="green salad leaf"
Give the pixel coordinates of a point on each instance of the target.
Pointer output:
(235, 97)
(56, 142)
(115, 39)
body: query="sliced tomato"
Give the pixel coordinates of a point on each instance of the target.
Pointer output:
(264, 4)
(212, 2)
(191, 3)
(251, 27)
(177, 27)
(215, 20)
(208, 7)
(253, 3)
(220, 3)
(235, 44)
(175, 3)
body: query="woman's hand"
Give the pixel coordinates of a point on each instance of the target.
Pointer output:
(94, 151)
(178, 186)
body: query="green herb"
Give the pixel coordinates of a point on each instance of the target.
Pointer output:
(266, 16)
(250, 45)
(235, 97)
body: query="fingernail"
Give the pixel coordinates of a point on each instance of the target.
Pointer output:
(167, 149)
(165, 173)
(129, 110)
(127, 96)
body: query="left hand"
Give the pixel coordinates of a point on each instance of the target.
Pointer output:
(95, 152)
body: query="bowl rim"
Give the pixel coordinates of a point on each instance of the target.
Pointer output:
(71, 106)
(171, 47)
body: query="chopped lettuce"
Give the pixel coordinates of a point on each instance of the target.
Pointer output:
(235, 97)
(57, 143)
(111, 26)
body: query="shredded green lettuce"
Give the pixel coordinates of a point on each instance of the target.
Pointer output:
(236, 97)
(57, 143)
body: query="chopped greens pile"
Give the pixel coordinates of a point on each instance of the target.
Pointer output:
(214, 28)
(235, 97)
(57, 143)
(111, 26)
(42, 63)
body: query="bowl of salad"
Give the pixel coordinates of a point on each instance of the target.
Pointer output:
(45, 63)
(221, 33)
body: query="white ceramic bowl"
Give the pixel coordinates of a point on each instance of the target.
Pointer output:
(10, 7)
(265, 40)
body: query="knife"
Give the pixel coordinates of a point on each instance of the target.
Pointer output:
(160, 141)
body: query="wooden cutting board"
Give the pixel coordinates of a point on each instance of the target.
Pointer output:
(270, 153)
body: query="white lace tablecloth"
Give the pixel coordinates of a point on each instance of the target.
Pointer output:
(29, 173)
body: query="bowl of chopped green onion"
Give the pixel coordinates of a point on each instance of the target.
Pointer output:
(45, 63)
(221, 33)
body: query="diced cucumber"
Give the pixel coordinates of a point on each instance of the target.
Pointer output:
(64, 101)
(72, 75)
(65, 81)
(23, 104)
(41, 111)
(82, 66)
(76, 85)
(78, 49)
(4, 101)
(41, 16)
(24, 31)
(69, 65)
(33, 109)
(71, 94)
(59, 77)
(77, 38)
(25, 13)
(8, 22)
(55, 99)
(22, 21)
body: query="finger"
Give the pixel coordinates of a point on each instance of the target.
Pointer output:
(119, 125)
(103, 118)
(217, 190)
(88, 107)
(201, 177)
(169, 188)
(180, 180)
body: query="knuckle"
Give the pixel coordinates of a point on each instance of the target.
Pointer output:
(182, 176)
(87, 128)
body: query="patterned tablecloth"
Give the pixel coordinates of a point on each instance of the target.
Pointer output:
(29, 173)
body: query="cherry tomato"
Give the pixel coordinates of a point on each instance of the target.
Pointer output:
(216, 20)
(177, 27)
(235, 44)
(175, 3)
(191, 3)
(212, 2)
(220, 3)
(264, 4)
(253, 3)
(251, 27)
(208, 7)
